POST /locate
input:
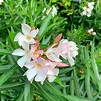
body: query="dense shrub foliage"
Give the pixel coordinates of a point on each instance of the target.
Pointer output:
(67, 33)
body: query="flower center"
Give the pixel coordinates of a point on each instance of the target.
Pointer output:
(27, 52)
(49, 54)
(28, 37)
(38, 65)
(35, 54)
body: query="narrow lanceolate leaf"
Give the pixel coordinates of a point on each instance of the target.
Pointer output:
(21, 97)
(45, 23)
(5, 52)
(74, 98)
(77, 89)
(87, 85)
(57, 92)
(26, 90)
(7, 74)
(11, 86)
(72, 86)
(44, 92)
(59, 82)
(94, 65)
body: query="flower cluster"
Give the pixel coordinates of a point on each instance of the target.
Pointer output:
(54, 11)
(88, 10)
(41, 64)
(91, 31)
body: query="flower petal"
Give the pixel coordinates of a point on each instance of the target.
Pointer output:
(21, 62)
(51, 78)
(18, 52)
(52, 56)
(30, 64)
(33, 33)
(25, 45)
(71, 60)
(73, 53)
(41, 75)
(26, 29)
(58, 38)
(30, 73)
(20, 38)
(60, 64)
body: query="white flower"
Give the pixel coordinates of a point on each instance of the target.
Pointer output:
(73, 52)
(94, 33)
(25, 53)
(37, 70)
(68, 50)
(52, 55)
(41, 69)
(27, 36)
(86, 11)
(54, 11)
(91, 31)
(1, 1)
(91, 5)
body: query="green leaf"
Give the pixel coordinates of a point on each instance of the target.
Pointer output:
(5, 52)
(87, 85)
(26, 90)
(74, 98)
(94, 65)
(45, 23)
(43, 46)
(76, 82)
(7, 74)
(11, 36)
(59, 82)
(43, 92)
(21, 97)
(10, 86)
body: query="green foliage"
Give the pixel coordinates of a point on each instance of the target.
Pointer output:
(82, 82)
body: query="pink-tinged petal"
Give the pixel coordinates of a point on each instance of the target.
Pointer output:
(30, 73)
(30, 64)
(33, 33)
(20, 38)
(40, 52)
(37, 43)
(18, 52)
(60, 64)
(42, 61)
(50, 63)
(51, 78)
(31, 41)
(25, 45)
(71, 60)
(58, 38)
(56, 71)
(33, 48)
(54, 58)
(74, 53)
(50, 71)
(22, 61)
(41, 75)
(26, 29)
